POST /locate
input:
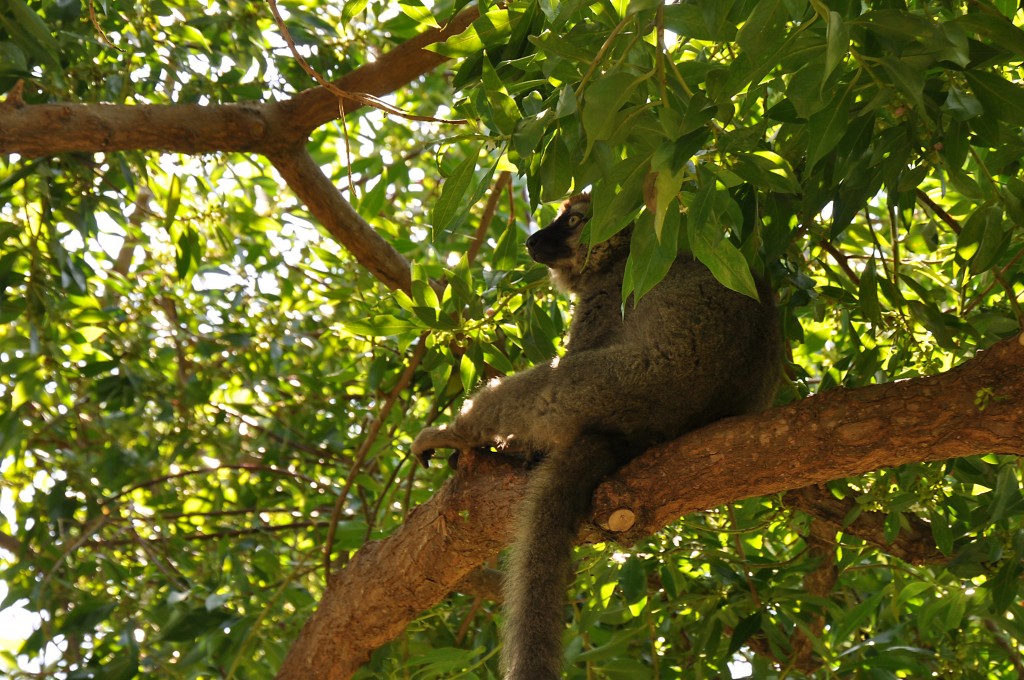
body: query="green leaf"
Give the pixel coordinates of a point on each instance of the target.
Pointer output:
(955, 609)
(381, 325)
(450, 207)
(937, 323)
(744, 630)
(868, 294)
(636, 6)
(506, 253)
(352, 9)
(467, 373)
(666, 187)
(195, 37)
(615, 204)
(767, 170)
(942, 532)
(1000, 31)
(418, 13)
(556, 169)
(837, 44)
(496, 359)
(633, 579)
(724, 260)
(763, 31)
(85, 617)
(826, 127)
(1006, 494)
(1000, 98)
(490, 30)
(504, 111)
(908, 79)
(650, 258)
(1005, 585)
(909, 593)
(980, 240)
(708, 244)
(173, 202)
(961, 105)
(602, 102)
(33, 32)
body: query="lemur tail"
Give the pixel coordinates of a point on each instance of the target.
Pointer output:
(558, 497)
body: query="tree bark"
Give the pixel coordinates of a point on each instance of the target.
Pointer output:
(975, 408)
(339, 218)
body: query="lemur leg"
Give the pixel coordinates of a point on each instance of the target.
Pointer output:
(551, 404)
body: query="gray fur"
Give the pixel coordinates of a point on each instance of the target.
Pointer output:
(690, 352)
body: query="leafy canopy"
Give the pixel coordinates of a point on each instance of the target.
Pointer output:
(194, 378)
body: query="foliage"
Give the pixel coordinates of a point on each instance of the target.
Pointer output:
(194, 377)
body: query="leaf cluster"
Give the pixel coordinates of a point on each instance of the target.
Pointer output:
(197, 384)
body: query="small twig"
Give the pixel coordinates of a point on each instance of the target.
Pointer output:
(206, 471)
(293, 576)
(96, 24)
(894, 234)
(14, 98)
(738, 540)
(169, 570)
(600, 54)
(199, 536)
(9, 543)
(488, 215)
(841, 259)
(1011, 295)
(659, 22)
(1011, 650)
(460, 636)
(314, 453)
(383, 496)
(938, 210)
(407, 501)
(977, 299)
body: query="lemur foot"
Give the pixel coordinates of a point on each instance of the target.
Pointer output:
(431, 438)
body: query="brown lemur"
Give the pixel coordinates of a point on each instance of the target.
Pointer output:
(689, 352)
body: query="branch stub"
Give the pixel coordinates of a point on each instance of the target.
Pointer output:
(621, 520)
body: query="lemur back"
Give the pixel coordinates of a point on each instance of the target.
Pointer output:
(690, 352)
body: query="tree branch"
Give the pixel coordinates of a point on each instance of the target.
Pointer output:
(46, 129)
(315, 189)
(278, 130)
(388, 583)
(837, 434)
(914, 544)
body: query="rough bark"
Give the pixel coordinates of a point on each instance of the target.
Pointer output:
(833, 435)
(388, 583)
(848, 432)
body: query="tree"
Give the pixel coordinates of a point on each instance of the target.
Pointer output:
(207, 398)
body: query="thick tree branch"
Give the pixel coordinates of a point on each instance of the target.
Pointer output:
(337, 215)
(46, 129)
(443, 541)
(837, 434)
(312, 108)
